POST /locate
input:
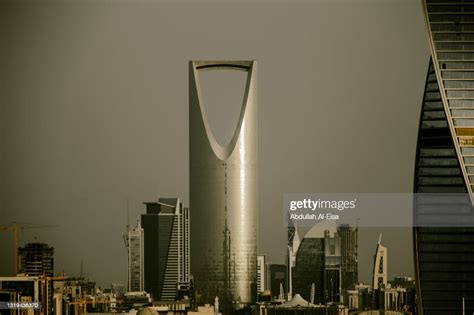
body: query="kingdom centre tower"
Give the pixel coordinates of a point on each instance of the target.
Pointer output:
(223, 195)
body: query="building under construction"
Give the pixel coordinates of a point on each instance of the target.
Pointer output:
(36, 259)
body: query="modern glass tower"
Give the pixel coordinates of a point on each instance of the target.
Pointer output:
(166, 255)
(223, 195)
(444, 256)
(135, 251)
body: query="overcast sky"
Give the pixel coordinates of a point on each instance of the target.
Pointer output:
(94, 113)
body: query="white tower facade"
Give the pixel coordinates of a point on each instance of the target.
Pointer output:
(223, 195)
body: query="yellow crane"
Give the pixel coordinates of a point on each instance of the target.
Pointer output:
(14, 229)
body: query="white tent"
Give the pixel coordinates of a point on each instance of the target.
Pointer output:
(297, 301)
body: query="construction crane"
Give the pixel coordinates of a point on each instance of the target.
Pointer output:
(14, 229)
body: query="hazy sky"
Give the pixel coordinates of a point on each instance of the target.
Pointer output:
(94, 112)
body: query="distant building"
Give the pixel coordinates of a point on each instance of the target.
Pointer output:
(293, 245)
(349, 261)
(135, 251)
(332, 267)
(166, 255)
(261, 273)
(318, 265)
(277, 280)
(358, 298)
(36, 259)
(380, 266)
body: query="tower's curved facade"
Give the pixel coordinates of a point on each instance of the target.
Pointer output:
(444, 256)
(223, 195)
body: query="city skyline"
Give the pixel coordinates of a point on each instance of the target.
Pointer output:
(76, 149)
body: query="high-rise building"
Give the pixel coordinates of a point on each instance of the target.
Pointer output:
(167, 253)
(379, 276)
(135, 251)
(332, 267)
(349, 261)
(309, 270)
(223, 195)
(261, 273)
(444, 163)
(292, 249)
(36, 259)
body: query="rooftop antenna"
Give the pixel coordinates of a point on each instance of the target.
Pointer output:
(128, 214)
(82, 269)
(380, 239)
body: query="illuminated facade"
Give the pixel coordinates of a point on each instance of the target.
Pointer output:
(445, 158)
(223, 195)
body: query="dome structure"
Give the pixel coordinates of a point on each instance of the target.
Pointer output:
(147, 311)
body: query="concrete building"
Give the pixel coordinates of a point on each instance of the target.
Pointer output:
(261, 273)
(22, 289)
(167, 253)
(223, 195)
(36, 259)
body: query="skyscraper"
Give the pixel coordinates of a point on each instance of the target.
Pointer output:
(349, 261)
(223, 195)
(309, 269)
(135, 251)
(167, 254)
(444, 162)
(379, 275)
(332, 267)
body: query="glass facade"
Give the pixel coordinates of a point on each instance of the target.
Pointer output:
(309, 269)
(444, 257)
(166, 256)
(451, 30)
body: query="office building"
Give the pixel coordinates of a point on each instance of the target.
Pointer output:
(135, 252)
(332, 267)
(444, 161)
(166, 248)
(349, 261)
(261, 273)
(223, 195)
(309, 269)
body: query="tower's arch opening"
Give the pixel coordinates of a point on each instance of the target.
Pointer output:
(222, 96)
